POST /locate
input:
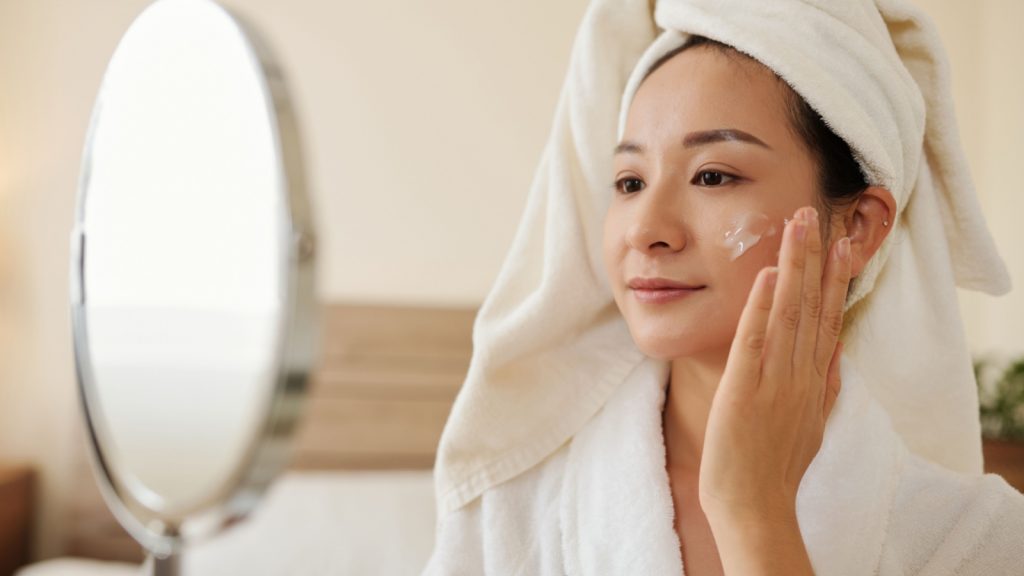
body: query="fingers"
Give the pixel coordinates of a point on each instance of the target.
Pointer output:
(811, 297)
(747, 348)
(835, 284)
(787, 304)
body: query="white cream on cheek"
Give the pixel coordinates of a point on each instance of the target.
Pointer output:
(746, 231)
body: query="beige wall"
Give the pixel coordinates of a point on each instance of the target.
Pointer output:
(423, 125)
(988, 87)
(994, 108)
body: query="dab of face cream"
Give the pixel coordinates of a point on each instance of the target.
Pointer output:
(746, 232)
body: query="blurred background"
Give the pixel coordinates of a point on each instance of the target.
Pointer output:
(422, 124)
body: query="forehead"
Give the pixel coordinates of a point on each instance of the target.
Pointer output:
(705, 88)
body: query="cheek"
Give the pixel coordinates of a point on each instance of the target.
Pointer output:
(746, 245)
(749, 232)
(738, 280)
(612, 251)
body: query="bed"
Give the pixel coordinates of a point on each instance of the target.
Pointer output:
(358, 495)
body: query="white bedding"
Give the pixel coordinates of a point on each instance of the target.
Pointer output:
(310, 524)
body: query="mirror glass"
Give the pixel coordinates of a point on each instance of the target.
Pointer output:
(191, 275)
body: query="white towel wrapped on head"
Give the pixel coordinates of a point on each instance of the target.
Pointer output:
(551, 350)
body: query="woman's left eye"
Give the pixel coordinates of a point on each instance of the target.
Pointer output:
(712, 178)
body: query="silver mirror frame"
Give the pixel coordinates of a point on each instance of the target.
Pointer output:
(296, 355)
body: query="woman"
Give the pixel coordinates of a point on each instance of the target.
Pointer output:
(718, 436)
(682, 192)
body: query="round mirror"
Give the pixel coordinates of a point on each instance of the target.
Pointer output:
(192, 275)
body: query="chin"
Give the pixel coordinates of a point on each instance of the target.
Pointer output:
(656, 342)
(667, 333)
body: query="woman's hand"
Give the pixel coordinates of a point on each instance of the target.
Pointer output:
(780, 382)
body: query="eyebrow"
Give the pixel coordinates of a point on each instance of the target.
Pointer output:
(702, 138)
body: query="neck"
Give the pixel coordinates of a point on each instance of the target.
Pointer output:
(691, 389)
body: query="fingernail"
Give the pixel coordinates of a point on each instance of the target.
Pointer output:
(773, 275)
(801, 229)
(844, 248)
(810, 214)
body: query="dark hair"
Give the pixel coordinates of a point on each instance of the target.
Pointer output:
(839, 176)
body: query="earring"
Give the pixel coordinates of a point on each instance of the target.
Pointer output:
(885, 223)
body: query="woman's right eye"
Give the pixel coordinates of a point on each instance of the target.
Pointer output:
(628, 185)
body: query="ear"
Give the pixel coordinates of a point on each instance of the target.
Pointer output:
(867, 223)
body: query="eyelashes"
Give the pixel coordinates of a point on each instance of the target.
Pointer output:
(703, 178)
(621, 182)
(712, 178)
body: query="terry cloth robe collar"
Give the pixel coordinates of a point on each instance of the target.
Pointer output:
(617, 511)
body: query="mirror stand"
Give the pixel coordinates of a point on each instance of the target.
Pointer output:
(162, 566)
(167, 563)
(167, 566)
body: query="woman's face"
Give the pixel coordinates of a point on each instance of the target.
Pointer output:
(708, 170)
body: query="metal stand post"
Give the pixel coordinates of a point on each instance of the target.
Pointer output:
(169, 566)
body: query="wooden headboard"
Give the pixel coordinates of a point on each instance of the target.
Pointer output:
(378, 399)
(386, 383)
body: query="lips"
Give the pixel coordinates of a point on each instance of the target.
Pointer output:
(659, 290)
(660, 284)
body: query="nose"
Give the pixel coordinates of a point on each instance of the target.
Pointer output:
(657, 225)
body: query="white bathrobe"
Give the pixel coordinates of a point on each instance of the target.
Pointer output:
(601, 503)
